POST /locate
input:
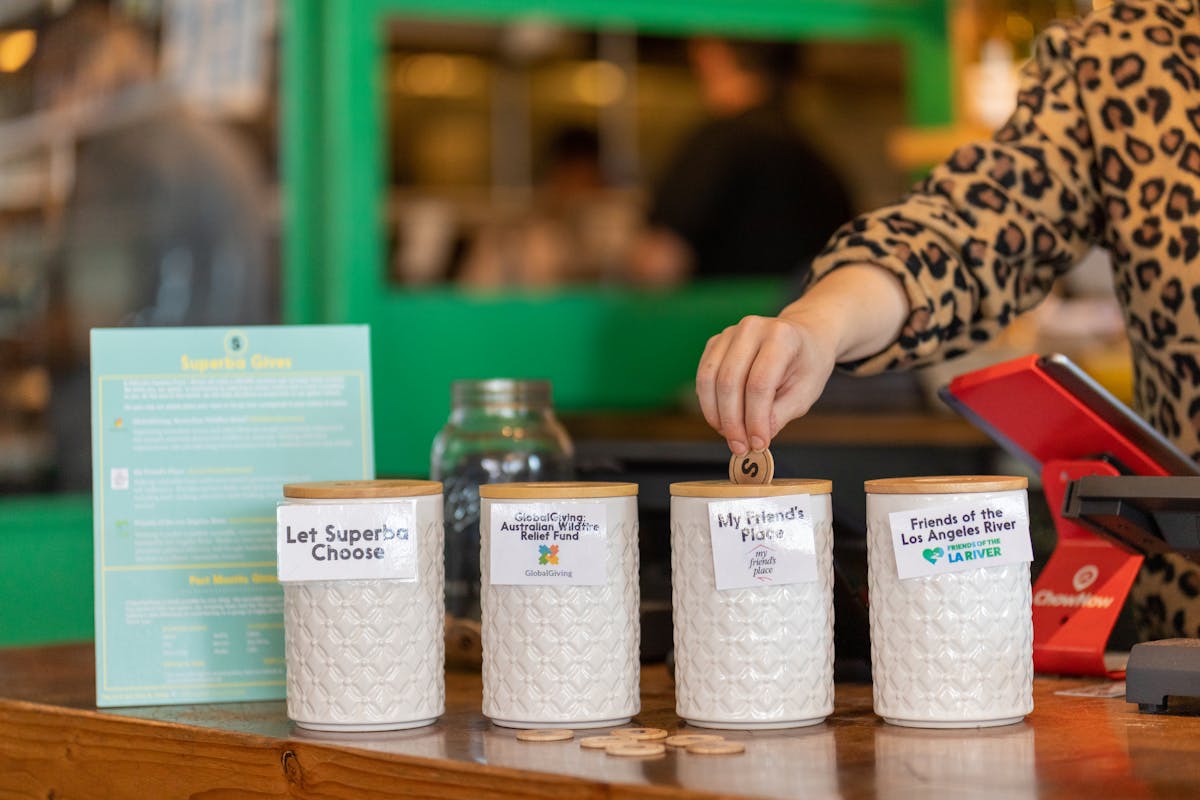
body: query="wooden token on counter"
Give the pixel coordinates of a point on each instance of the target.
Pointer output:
(754, 468)
(601, 742)
(717, 748)
(641, 734)
(637, 749)
(546, 735)
(688, 739)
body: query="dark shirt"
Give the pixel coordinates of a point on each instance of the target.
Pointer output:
(750, 196)
(164, 226)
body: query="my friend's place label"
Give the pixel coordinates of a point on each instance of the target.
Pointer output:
(356, 541)
(549, 544)
(762, 541)
(961, 536)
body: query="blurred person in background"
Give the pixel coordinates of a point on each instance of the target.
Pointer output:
(577, 229)
(745, 194)
(164, 223)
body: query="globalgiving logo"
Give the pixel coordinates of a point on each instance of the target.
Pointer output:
(1083, 579)
(548, 564)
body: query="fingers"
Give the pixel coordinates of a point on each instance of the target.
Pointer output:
(737, 379)
(706, 377)
(758, 375)
(742, 349)
(766, 375)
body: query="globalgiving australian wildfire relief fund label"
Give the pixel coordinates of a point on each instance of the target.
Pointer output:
(961, 536)
(762, 541)
(356, 541)
(549, 544)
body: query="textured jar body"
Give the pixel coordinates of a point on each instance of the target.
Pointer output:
(498, 431)
(953, 650)
(368, 655)
(758, 657)
(564, 655)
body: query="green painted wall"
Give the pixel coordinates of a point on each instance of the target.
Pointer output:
(45, 569)
(602, 348)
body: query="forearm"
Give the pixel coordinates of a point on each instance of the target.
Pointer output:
(860, 308)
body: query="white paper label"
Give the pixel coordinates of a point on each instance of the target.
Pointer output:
(356, 541)
(961, 536)
(549, 544)
(762, 541)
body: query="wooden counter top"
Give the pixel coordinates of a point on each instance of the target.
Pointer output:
(54, 743)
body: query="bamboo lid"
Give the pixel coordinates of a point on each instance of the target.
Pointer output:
(557, 490)
(946, 484)
(355, 490)
(776, 488)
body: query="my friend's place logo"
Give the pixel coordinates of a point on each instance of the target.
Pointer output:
(1085, 577)
(762, 564)
(548, 554)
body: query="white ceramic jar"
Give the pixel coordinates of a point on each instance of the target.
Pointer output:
(361, 564)
(752, 578)
(950, 649)
(559, 565)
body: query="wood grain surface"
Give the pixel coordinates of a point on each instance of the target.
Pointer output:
(54, 743)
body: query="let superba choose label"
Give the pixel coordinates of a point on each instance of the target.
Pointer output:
(355, 541)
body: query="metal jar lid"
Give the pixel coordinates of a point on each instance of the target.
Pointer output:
(557, 490)
(776, 488)
(946, 484)
(356, 490)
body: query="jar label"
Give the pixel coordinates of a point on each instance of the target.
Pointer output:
(549, 544)
(762, 541)
(961, 536)
(356, 541)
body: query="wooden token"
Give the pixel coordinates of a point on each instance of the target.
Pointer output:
(717, 748)
(546, 735)
(641, 734)
(601, 742)
(687, 739)
(635, 749)
(754, 468)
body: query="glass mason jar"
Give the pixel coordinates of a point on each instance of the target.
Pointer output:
(499, 431)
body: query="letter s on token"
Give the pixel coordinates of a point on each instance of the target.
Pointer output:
(754, 468)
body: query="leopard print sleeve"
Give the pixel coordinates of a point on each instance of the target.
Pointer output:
(983, 238)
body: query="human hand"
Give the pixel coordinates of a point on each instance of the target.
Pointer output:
(764, 372)
(756, 376)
